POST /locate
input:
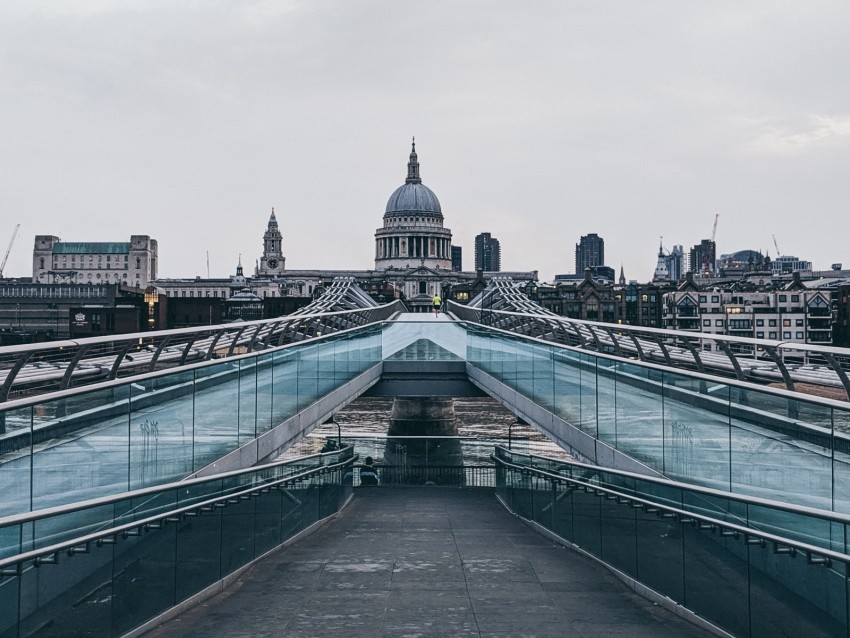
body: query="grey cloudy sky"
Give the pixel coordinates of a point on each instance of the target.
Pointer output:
(536, 121)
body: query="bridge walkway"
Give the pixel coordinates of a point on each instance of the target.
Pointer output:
(426, 562)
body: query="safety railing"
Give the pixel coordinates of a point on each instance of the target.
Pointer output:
(126, 434)
(105, 567)
(33, 369)
(744, 580)
(741, 358)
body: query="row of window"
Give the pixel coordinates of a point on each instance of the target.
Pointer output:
(740, 300)
(759, 322)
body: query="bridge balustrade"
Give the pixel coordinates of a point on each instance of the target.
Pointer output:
(106, 567)
(742, 579)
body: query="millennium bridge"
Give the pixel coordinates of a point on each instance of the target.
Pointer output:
(149, 484)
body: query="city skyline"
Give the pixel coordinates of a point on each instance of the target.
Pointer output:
(540, 127)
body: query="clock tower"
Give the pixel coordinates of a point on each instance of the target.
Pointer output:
(272, 262)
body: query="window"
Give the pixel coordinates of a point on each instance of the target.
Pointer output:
(759, 322)
(799, 335)
(786, 335)
(706, 322)
(772, 335)
(786, 323)
(702, 298)
(718, 322)
(715, 299)
(771, 322)
(795, 298)
(783, 298)
(798, 322)
(760, 335)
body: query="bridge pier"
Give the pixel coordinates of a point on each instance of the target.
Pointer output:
(423, 460)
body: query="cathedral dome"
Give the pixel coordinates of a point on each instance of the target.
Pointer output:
(413, 196)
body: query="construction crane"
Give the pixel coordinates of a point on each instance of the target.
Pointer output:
(9, 249)
(776, 245)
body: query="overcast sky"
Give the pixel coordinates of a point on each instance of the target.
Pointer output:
(539, 122)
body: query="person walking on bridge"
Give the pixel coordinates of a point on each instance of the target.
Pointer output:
(437, 302)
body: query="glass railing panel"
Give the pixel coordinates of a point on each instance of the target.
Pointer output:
(10, 594)
(326, 368)
(562, 511)
(800, 527)
(788, 595)
(544, 377)
(15, 460)
(587, 521)
(143, 506)
(606, 396)
(293, 513)
(617, 534)
(542, 501)
(162, 424)
(566, 385)
(715, 578)
(56, 529)
(715, 506)
(659, 556)
(80, 447)
(307, 379)
(588, 376)
(283, 393)
(143, 581)
(12, 540)
(771, 461)
(266, 388)
(267, 513)
(639, 413)
(237, 533)
(216, 414)
(696, 431)
(343, 368)
(841, 459)
(247, 400)
(524, 378)
(197, 555)
(43, 607)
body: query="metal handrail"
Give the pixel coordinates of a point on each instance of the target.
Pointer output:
(827, 515)
(676, 347)
(27, 517)
(151, 521)
(815, 554)
(95, 359)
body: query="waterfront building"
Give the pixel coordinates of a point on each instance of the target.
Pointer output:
(132, 263)
(590, 252)
(43, 312)
(793, 313)
(488, 255)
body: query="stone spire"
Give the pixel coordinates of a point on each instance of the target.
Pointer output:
(413, 167)
(661, 271)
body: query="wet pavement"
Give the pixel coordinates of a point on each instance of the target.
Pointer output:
(426, 562)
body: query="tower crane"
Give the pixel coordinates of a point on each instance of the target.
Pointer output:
(776, 245)
(8, 250)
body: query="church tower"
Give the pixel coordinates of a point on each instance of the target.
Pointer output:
(272, 262)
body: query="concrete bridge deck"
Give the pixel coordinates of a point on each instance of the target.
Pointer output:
(426, 562)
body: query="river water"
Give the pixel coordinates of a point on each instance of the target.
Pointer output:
(481, 419)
